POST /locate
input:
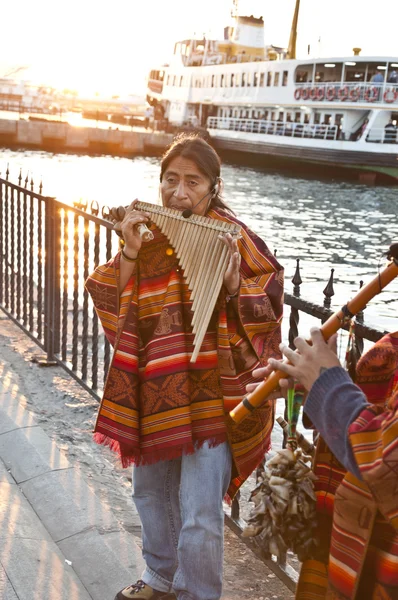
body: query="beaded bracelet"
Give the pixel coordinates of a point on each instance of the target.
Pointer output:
(128, 258)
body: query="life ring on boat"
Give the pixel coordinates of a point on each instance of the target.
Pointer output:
(331, 93)
(371, 94)
(313, 93)
(390, 95)
(320, 94)
(297, 94)
(343, 93)
(354, 94)
(305, 92)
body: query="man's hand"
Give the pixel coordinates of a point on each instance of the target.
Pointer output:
(232, 274)
(308, 362)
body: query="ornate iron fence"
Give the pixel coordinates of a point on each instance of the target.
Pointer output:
(47, 250)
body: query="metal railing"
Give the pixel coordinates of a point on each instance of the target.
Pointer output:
(296, 130)
(383, 135)
(47, 251)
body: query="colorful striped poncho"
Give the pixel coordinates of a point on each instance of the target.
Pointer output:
(358, 519)
(156, 404)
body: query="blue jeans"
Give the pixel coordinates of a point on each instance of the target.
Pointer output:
(180, 506)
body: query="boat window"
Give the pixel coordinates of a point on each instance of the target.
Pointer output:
(306, 118)
(255, 79)
(237, 80)
(232, 80)
(243, 79)
(222, 80)
(355, 72)
(181, 80)
(276, 79)
(249, 79)
(280, 116)
(317, 118)
(269, 78)
(304, 74)
(297, 117)
(273, 115)
(285, 78)
(327, 120)
(262, 78)
(289, 117)
(266, 115)
(338, 119)
(376, 72)
(328, 72)
(213, 78)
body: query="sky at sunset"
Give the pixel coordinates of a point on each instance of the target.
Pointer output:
(108, 47)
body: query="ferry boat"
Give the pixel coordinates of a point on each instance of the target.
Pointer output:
(261, 102)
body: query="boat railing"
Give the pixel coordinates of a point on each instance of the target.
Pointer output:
(347, 91)
(383, 135)
(288, 129)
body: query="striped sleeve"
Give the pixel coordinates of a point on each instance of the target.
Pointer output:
(374, 440)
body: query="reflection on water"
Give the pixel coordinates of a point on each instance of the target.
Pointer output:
(338, 225)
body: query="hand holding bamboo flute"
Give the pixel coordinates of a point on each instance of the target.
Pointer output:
(332, 325)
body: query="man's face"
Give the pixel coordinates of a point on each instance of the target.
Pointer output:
(184, 186)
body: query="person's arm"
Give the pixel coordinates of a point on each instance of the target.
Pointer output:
(333, 403)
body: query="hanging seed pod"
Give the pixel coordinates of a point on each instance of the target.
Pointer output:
(283, 517)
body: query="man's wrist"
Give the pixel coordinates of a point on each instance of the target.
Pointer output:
(129, 255)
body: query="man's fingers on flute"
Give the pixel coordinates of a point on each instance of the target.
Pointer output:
(262, 372)
(288, 352)
(317, 337)
(279, 365)
(301, 344)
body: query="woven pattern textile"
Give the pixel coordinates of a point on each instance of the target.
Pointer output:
(156, 404)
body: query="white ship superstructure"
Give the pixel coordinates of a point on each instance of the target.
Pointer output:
(337, 112)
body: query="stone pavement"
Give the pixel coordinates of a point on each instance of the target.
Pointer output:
(57, 540)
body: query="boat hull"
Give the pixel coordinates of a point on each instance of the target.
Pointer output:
(383, 166)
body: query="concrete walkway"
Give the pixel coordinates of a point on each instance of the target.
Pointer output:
(57, 541)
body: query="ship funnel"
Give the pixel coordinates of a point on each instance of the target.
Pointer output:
(356, 51)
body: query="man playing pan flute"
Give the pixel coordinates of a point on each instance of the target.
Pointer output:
(167, 415)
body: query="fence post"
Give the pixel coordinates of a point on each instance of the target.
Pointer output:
(50, 274)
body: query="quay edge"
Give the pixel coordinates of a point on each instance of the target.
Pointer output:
(64, 138)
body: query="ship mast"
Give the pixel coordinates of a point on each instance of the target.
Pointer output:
(291, 50)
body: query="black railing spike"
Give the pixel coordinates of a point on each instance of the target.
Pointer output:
(275, 251)
(94, 208)
(20, 176)
(328, 291)
(26, 180)
(32, 185)
(297, 281)
(105, 212)
(41, 186)
(7, 171)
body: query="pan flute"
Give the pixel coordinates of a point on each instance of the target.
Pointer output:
(202, 256)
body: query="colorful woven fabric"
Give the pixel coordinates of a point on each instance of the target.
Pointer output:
(156, 404)
(362, 536)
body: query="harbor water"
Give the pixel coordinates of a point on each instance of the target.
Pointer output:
(326, 224)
